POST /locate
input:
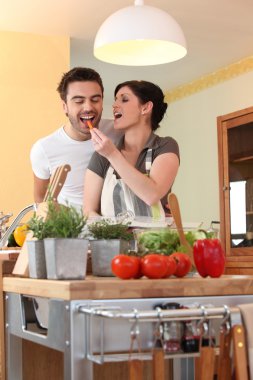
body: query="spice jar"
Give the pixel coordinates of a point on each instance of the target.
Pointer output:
(191, 334)
(172, 331)
(208, 337)
(191, 337)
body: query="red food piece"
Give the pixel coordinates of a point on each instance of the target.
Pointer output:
(126, 267)
(154, 266)
(171, 266)
(183, 264)
(209, 257)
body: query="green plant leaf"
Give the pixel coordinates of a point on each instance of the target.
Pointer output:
(61, 222)
(107, 229)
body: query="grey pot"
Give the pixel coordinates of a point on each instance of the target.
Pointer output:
(66, 258)
(36, 259)
(102, 253)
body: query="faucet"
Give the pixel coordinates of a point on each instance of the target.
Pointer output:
(4, 238)
(4, 218)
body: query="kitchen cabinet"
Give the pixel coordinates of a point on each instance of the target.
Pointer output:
(235, 157)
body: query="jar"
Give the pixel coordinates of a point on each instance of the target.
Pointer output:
(172, 331)
(208, 337)
(191, 337)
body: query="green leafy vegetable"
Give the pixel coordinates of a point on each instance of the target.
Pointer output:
(161, 241)
(165, 241)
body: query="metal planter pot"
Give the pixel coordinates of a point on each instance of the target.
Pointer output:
(36, 259)
(66, 258)
(102, 253)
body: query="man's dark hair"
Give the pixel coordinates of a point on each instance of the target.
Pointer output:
(78, 74)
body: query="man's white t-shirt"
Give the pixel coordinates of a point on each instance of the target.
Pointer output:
(58, 149)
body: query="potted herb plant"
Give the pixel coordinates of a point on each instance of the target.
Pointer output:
(65, 250)
(107, 239)
(35, 247)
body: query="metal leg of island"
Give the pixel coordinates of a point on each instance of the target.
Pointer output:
(64, 333)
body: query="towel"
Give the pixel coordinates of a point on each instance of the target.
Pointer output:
(247, 315)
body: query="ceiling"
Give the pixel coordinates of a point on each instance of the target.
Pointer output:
(218, 33)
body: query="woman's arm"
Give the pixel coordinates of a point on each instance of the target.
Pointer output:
(93, 185)
(150, 189)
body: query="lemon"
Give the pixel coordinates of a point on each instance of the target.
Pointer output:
(20, 234)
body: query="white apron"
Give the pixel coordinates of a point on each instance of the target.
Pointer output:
(118, 198)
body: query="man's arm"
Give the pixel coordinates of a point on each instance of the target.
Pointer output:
(39, 188)
(41, 171)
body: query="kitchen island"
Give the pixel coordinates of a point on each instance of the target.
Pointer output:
(78, 336)
(113, 288)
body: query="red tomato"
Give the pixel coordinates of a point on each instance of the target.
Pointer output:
(183, 263)
(125, 267)
(171, 266)
(139, 272)
(154, 265)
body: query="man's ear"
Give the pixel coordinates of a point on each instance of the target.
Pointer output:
(147, 108)
(65, 108)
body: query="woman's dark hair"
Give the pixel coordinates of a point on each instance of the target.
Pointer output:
(78, 74)
(145, 92)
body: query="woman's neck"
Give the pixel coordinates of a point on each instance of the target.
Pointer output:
(134, 142)
(135, 139)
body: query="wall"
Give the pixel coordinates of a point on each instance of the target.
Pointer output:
(192, 121)
(30, 68)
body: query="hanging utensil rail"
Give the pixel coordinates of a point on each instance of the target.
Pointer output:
(97, 318)
(152, 316)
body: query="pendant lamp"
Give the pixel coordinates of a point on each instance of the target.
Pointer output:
(139, 35)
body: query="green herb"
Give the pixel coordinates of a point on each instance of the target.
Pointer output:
(39, 228)
(61, 222)
(106, 229)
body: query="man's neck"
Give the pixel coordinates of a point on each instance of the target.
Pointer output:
(74, 134)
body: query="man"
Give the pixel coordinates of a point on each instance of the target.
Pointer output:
(81, 91)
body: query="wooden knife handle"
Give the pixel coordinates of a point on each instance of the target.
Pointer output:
(240, 352)
(135, 369)
(57, 181)
(158, 364)
(206, 363)
(224, 360)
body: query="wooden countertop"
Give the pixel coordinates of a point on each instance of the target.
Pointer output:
(114, 288)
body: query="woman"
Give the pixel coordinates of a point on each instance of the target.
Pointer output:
(140, 171)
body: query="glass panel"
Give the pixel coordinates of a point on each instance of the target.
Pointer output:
(237, 210)
(240, 150)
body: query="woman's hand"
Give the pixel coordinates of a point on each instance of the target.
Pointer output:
(102, 144)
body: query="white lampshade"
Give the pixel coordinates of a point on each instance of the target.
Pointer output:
(139, 35)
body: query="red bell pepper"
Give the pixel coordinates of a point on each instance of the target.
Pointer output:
(209, 257)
